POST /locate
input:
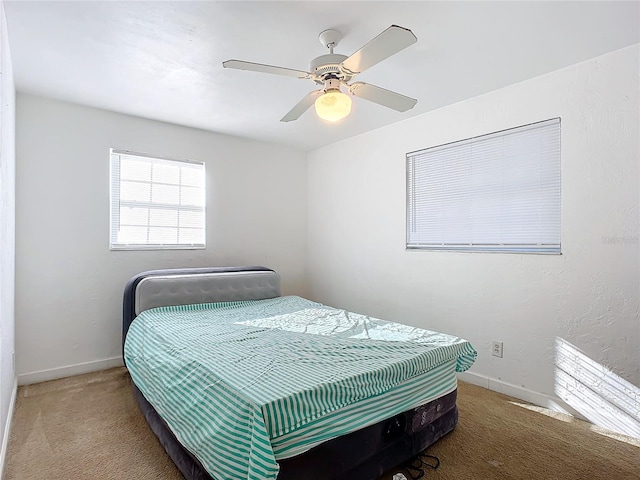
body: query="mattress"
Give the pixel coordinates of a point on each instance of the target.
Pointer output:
(274, 378)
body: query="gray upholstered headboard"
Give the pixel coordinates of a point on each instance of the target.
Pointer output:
(185, 289)
(159, 288)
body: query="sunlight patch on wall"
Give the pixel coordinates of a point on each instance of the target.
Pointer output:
(601, 396)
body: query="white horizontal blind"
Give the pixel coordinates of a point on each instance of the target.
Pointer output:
(156, 203)
(498, 192)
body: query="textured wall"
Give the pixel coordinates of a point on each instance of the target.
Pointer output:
(69, 285)
(7, 227)
(588, 296)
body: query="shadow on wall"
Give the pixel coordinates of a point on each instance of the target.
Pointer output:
(594, 391)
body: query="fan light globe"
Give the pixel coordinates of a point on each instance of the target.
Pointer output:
(333, 105)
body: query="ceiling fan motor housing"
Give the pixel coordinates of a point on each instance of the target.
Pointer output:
(329, 64)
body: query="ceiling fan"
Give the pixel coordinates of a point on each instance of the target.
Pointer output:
(334, 70)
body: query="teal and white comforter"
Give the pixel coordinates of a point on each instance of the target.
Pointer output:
(242, 384)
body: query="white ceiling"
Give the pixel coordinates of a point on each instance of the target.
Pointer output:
(163, 60)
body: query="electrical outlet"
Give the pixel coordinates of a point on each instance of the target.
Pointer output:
(496, 349)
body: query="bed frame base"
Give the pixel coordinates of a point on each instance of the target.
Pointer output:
(390, 442)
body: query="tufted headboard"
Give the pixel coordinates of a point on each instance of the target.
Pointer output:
(159, 288)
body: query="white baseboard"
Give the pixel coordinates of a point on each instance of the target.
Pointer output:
(521, 393)
(7, 427)
(68, 371)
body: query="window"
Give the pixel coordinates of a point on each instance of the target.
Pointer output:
(494, 193)
(156, 203)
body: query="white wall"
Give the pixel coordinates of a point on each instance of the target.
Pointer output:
(7, 235)
(69, 285)
(588, 296)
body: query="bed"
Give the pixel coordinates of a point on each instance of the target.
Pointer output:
(239, 382)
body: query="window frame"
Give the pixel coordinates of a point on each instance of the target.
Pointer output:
(114, 204)
(520, 248)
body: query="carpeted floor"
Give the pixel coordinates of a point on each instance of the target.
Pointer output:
(89, 427)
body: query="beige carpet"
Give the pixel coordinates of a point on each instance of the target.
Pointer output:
(89, 427)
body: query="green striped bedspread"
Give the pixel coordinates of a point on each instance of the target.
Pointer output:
(243, 384)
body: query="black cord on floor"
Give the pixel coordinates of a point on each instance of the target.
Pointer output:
(433, 463)
(416, 466)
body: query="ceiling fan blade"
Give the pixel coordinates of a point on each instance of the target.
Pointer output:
(383, 97)
(302, 106)
(259, 67)
(388, 43)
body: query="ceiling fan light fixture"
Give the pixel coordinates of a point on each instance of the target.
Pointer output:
(333, 105)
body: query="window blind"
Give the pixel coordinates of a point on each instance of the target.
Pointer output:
(499, 192)
(156, 202)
